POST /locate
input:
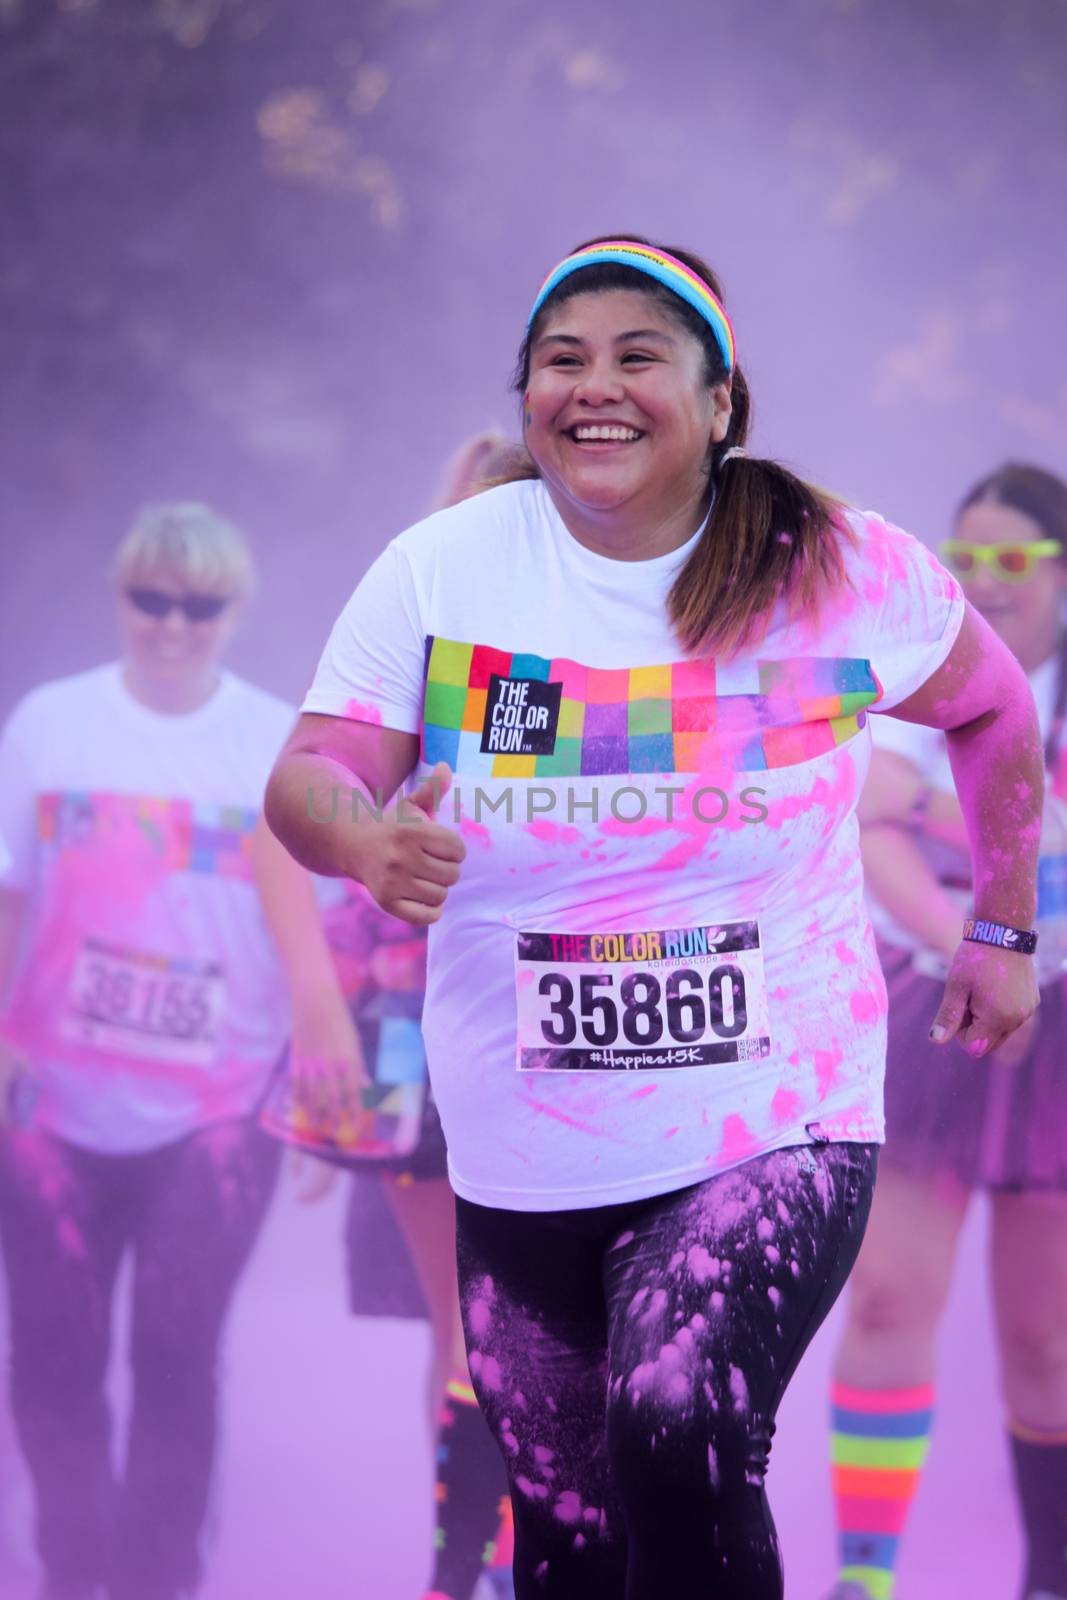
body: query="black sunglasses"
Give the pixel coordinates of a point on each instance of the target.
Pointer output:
(195, 607)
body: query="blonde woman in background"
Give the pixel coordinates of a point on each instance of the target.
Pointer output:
(144, 1016)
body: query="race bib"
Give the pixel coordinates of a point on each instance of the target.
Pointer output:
(136, 1004)
(641, 1000)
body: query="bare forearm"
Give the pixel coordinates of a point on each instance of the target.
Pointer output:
(322, 814)
(1000, 779)
(287, 895)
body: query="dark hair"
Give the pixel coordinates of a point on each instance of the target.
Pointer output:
(1042, 497)
(770, 535)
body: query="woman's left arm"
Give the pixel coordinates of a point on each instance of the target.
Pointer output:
(980, 697)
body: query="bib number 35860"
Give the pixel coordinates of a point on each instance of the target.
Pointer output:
(690, 997)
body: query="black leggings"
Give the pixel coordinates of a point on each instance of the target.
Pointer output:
(630, 1360)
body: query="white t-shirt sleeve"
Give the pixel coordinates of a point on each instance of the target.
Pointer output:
(18, 800)
(372, 667)
(918, 609)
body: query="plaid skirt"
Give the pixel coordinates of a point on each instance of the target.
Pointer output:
(986, 1124)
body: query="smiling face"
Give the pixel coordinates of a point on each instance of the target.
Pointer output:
(172, 656)
(619, 416)
(1026, 614)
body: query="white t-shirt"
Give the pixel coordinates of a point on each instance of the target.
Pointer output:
(546, 674)
(927, 750)
(148, 996)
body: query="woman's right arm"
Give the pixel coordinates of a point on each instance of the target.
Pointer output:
(330, 800)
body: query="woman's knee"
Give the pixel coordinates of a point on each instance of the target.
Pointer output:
(1034, 1348)
(885, 1303)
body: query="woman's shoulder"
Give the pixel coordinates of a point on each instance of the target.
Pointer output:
(887, 564)
(502, 513)
(63, 697)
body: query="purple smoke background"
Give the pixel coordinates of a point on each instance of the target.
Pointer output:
(277, 256)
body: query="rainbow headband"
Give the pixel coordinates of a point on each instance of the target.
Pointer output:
(656, 264)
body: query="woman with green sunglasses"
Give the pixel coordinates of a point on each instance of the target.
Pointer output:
(955, 1124)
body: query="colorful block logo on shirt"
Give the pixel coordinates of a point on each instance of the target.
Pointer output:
(182, 836)
(506, 714)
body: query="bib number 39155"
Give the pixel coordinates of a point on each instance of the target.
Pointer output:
(133, 1003)
(644, 999)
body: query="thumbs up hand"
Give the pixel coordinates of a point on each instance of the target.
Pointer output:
(413, 860)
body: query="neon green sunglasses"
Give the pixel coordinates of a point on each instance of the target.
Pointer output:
(1011, 563)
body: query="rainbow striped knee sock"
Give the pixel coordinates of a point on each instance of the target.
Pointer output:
(879, 1442)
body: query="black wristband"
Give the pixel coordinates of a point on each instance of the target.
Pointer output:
(998, 933)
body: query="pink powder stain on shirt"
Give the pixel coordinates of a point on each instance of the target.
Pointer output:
(738, 1142)
(553, 832)
(845, 953)
(826, 1065)
(476, 832)
(360, 711)
(670, 1133)
(866, 1008)
(544, 1109)
(785, 1107)
(642, 1094)
(834, 795)
(673, 860)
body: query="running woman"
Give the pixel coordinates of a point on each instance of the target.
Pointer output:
(146, 1015)
(956, 1126)
(633, 690)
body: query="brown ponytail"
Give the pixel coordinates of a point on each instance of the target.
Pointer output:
(770, 535)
